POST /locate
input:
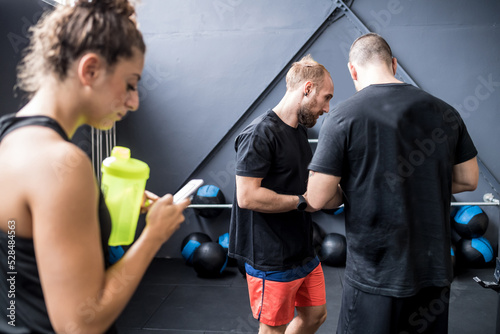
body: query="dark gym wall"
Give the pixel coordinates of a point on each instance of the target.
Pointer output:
(213, 66)
(211, 63)
(16, 16)
(15, 19)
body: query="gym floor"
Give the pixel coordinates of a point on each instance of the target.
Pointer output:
(173, 299)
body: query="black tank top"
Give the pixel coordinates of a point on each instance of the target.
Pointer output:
(30, 310)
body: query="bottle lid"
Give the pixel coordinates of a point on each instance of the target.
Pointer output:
(120, 164)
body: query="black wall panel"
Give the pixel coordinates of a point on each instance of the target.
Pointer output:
(206, 63)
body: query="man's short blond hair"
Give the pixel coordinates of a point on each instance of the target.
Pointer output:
(306, 69)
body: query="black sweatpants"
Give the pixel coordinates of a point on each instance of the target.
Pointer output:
(426, 312)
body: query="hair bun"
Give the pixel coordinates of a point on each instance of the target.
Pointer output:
(120, 7)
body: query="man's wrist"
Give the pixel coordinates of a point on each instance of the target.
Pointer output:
(302, 203)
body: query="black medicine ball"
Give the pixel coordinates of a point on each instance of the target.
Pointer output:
(241, 268)
(334, 250)
(190, 243)
(453, 251)
(455, 237)
(475, 253)
(209, 259)
(209, 194)
(224, 242)
(470, 222)
(318, 236)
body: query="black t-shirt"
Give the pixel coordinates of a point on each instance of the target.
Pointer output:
(30, 310)
(394, 147)
(270, 149)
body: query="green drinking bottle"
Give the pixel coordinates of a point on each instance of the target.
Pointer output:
(123, 184)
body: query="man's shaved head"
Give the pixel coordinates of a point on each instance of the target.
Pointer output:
(370, 48)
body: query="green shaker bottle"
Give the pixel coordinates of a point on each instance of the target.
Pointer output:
(123, 184)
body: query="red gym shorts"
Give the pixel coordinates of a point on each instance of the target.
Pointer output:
(275, 294)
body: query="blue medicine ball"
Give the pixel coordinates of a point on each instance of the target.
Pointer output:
(475, 253)
(224, 242)
(190, 243)
(115, 253)
(470, 222)
(209, 194)
(453, 251)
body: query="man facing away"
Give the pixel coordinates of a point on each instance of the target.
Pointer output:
(399, 153)
(270, 229)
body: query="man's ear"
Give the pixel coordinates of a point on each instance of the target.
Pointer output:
(89, 68)
(394, 65)
(308, 88)
(352, 71)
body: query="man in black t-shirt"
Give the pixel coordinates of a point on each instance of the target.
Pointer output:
(399, 153)
(270, 230)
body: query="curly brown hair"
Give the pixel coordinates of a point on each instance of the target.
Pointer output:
(61, 36)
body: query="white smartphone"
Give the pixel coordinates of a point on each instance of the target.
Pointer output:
(188, 189)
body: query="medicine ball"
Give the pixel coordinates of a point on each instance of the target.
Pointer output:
(241, 267)
(190, 243)
(209, 259)
(453, 211)
(455, 237)
(224, 242)
(318, 236)
(333, 250)
(453, 258)
(336, 211)
(470, 221)
(115, 253)
(475, 253)
(209, 194)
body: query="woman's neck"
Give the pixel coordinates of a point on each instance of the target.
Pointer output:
(57, 104)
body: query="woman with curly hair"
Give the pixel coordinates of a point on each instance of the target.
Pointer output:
(82, 66)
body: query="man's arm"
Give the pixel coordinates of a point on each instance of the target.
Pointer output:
(252, 196)
(465, 176)
(323, 191)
